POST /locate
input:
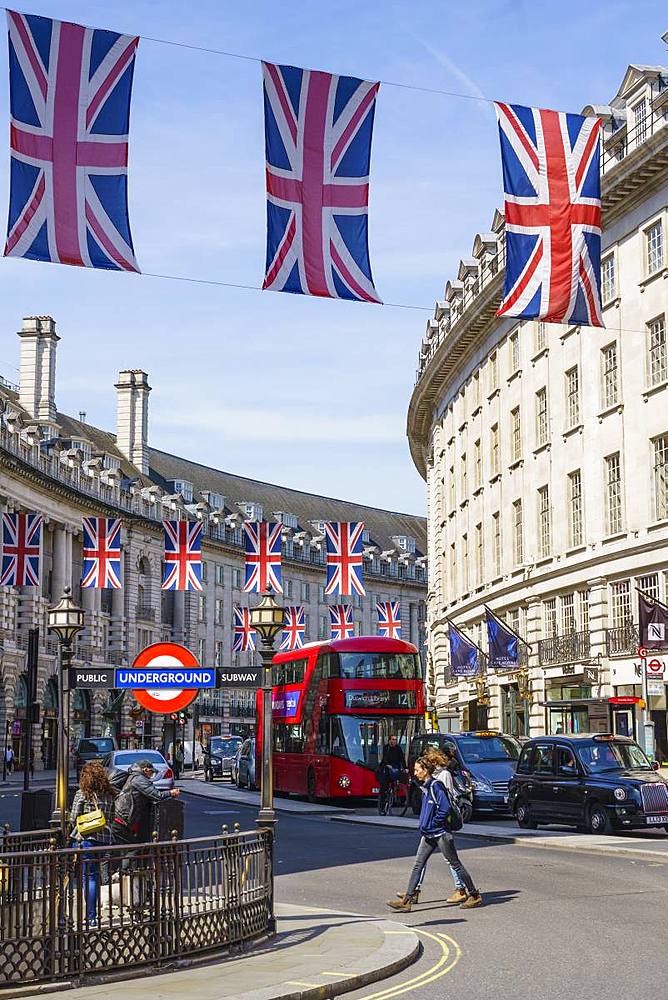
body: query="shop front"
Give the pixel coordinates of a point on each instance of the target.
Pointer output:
(570, 708)
(514, 710)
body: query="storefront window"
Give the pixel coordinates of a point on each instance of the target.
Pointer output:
(514, 711)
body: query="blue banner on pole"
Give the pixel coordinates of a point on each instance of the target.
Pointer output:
(463, 655)
(174, 678)
(503, 644)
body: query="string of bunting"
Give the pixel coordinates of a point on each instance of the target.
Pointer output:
(70, 93)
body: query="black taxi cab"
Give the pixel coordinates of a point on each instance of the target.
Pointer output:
(597, 783)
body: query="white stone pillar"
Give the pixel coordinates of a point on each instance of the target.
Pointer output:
(132, 417)
(59, 575)
(536, 673)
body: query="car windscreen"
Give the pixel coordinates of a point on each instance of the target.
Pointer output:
(225, 747)
(484, 749)
(95, 746)
(125, 757)
(598, 757)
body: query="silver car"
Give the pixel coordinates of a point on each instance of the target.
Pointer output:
(122, 760)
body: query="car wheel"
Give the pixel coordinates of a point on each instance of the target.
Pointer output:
(310, 785)
(598, 820)
(524, 817)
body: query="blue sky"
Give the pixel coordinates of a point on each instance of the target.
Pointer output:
(305, 392)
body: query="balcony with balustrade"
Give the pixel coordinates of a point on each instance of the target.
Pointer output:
(559, 649)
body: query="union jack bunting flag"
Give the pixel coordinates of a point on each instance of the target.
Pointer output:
(294, 629)
(389, 619)
(344, 557)
(183, 555)
(318, 130)
(21, 536)
(263, 557)
(552, 184)
(341, 621)
(70, 90)
(244, 635)
(101, 552)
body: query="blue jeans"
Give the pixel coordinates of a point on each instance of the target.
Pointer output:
(90, 871)
(446, 845)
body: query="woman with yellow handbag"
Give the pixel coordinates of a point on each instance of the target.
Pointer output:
(91, 816)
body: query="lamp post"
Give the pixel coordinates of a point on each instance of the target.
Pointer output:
(267, 620)
(66, 619)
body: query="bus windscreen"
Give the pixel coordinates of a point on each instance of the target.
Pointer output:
(361, 741)
(379, 666)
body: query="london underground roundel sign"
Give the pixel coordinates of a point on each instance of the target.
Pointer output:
(162, 677)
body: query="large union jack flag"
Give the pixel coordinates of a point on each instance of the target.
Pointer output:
(341, 621)
(101, 552)
(294, 628)
(183, 555)
(21, 537)
(389, 619)
(244, 635)
(70, 90)
(318, 130)
(344, 557)
(552, 185)
(263, 557)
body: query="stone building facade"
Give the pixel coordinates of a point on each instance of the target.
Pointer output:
(65, 469)
(545, 452)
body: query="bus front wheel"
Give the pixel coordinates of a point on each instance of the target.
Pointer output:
(310, 785)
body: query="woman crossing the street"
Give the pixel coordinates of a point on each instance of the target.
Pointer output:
(435, 835)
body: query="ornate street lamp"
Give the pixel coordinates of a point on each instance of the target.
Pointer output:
(66, 619)
(267, 620)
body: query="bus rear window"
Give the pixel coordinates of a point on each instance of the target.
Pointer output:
(379, 666)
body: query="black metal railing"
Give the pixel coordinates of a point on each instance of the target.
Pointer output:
(622, 641)
(72, 914)
(564, 648)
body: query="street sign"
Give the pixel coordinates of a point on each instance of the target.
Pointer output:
(238, 678)
(92, 677)
(590, 674)
(169, 660)
(167, 678)
(655, 668)
(655, 686)
(623, 699)
(642, 652)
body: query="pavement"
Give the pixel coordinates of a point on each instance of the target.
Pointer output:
(316, 953)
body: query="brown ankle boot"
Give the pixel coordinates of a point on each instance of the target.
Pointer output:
(403, 905)
(415, 898)
(458, 896)
(473, 900)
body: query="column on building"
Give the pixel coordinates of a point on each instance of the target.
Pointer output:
(598, 623)
(536, 674)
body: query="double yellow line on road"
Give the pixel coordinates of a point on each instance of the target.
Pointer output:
(451, 953)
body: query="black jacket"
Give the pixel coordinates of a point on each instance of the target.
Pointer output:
(133, 805)
(394, 757)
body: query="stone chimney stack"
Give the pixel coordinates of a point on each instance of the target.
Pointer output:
(37, 378)
(132, 417)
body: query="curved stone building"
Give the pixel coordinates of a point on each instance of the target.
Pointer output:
(65, 469)
(545, 452)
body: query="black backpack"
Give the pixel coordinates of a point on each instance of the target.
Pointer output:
(454, 820)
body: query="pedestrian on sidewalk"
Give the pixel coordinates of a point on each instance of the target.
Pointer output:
(132, 820)
(94, 793)
(445, 765)
(9, 759)
(435, 835)
(177, 763)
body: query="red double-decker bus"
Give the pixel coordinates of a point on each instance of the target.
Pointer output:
(334, 706)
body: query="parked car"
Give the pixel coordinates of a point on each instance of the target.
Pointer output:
(92, 748)
(489, 757)
(598, 783)
(245, 764)
(222, 750)
(122, 760)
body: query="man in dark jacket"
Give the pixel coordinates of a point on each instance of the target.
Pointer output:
(132, 813)
(435, 835)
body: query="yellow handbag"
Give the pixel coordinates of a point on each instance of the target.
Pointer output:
(91, 822)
